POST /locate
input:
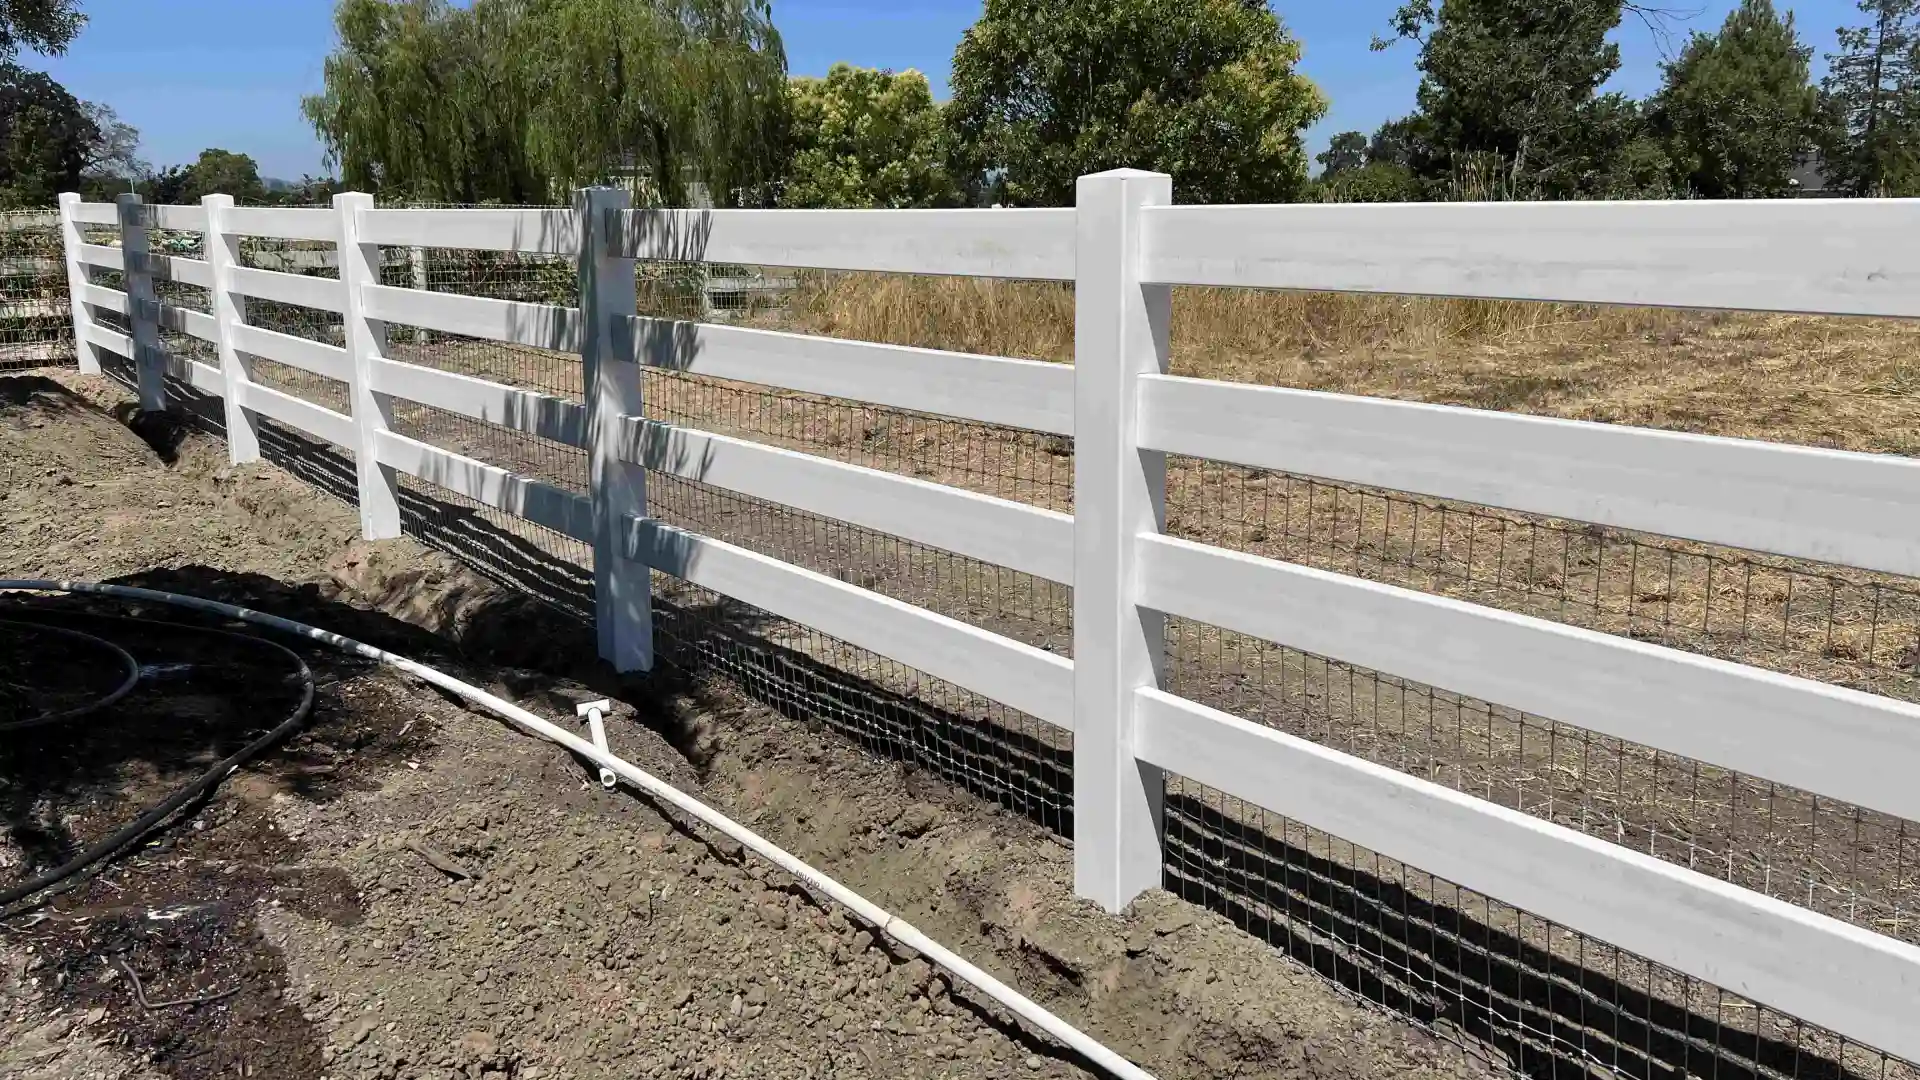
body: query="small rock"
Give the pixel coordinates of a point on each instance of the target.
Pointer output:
(1172, 920)
(356, 1033)
(1034, 1062)
(915, 820)
(739, 1006)
(774, 916)
(756, 995)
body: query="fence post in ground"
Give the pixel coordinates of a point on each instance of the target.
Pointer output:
(84, 350)
(1119, 493)
(143, 304)
(229, 310)
(622, 589)
(366, 339)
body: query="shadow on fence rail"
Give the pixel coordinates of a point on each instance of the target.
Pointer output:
(1550, 1017)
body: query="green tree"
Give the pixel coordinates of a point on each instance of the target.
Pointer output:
(1374, 182)
(417, 104)
(1045, 91)
(1397, 142)
(519, 100)
(1871, 144)
(168, 185)
(223, 172)
(43, 26)
(1509, 90)
(1737, 111)
(868, 138)
(44, 138)
(1345, 152)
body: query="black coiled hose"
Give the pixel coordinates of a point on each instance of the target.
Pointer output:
(139, 827)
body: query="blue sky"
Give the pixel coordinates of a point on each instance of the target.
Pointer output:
(230, 73)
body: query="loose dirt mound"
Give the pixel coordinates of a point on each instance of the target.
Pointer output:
(412, 890)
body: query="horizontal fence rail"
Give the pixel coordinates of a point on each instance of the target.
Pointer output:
(1036, 244)
(541, 326)
(998, 531)
(1032, 680)
(183, 270)
(1830, 505)
(1750, 255)
(1026, 394)
(1123, 247)
(530, 411)
(555, 232)
(316, 357)
(323, 294)
(541, 503)
(1851, 745)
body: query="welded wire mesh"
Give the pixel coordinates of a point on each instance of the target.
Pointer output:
(303, 258)
(36, 319)
(1548, 998)
(165, 245)
(509, 548)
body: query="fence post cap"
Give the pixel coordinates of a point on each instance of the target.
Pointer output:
(1122, 174)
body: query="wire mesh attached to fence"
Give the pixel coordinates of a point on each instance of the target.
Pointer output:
(36, 319)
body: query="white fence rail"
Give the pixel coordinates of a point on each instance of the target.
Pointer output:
(1123, 247)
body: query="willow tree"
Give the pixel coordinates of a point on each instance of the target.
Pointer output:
(520, 100)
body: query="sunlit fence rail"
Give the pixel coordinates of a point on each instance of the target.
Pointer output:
(1580, 843)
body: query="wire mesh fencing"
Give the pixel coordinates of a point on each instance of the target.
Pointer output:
(36, 317)
(1548, 999)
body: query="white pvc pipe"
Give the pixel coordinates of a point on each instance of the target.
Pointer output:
(893, 927)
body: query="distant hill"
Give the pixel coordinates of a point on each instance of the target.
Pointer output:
(274, 183)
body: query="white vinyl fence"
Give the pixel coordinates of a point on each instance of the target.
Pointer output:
(1123, 246)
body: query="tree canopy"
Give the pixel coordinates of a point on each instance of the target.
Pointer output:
(1509, 95)
(223, 172)
(1345, 152)
(45, 136)
(1871, 93)
(1045, 91)
(43, 26)
(1737, 111)
(490, 102)
(866, 138)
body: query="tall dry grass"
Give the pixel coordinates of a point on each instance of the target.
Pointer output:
(1847, 383)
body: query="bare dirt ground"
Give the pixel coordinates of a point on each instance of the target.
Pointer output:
(411, 889)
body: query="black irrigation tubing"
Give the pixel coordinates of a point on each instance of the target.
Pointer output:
(205, 782)
(126, 686)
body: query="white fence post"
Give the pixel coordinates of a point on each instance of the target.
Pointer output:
(84, 351)
(366, 339)
(622, 589)
(1119, 493)
(143, 304)
(229, 310)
